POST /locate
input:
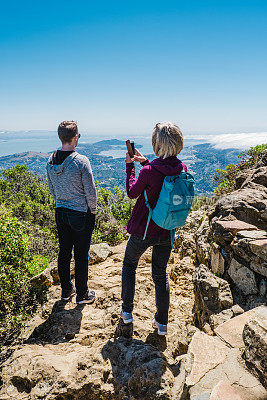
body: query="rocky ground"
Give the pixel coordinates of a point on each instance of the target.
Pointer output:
(74, 351)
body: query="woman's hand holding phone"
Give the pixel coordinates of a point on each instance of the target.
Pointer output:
(138, 157)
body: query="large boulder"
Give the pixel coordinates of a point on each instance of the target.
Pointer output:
(255, 340)
(138, 370)
(258, 176)
(243, 277)
(212, 295)
(231, 332)
(248, 204)
(208, 362)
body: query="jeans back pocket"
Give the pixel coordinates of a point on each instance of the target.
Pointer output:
(77, 222)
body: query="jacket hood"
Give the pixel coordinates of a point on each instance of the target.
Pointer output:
(59, 169)
(169, 166)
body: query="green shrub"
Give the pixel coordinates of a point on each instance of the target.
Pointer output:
(201, 201)
(27, 197)
(225, 178)
(113, 212)
(17, 265)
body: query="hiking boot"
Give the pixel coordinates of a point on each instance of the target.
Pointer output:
(162, 329)
(127, 317)
(66, 295)
(88, 298)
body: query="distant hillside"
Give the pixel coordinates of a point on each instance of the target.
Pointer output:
(201, 160)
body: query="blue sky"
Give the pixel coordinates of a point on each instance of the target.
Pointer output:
(122, 66)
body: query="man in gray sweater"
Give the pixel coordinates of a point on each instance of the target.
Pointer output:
(71, 183)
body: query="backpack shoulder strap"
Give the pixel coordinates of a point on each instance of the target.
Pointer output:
(149, 214)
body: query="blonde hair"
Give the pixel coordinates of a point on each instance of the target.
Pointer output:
(167, 139)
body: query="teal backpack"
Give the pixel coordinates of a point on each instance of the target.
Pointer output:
(174, 203)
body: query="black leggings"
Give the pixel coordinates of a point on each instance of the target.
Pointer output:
(136, 246)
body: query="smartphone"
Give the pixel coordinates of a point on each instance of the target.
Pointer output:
(130, 148)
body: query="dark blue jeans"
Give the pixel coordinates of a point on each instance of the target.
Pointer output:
(136, 246)
(75, 229)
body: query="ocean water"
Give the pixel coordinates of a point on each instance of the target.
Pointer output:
(43, 141)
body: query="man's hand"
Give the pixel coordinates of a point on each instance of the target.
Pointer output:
(128, 159)
(138, 157)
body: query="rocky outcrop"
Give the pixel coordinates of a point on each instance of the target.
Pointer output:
(213, 369)
(239, 230)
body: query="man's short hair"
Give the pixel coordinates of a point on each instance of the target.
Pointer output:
(167, 139)
(67, 130)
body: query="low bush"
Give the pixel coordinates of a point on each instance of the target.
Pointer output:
(17, 265)
(225, 178)
(113, 212)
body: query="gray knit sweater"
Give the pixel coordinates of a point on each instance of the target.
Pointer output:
(72, 183)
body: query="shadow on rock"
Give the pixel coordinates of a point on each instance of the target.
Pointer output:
(138, 369)
(61, 325)
(124, 330)
(157, 341)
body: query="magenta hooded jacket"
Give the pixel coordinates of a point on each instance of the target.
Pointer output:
(150, 178)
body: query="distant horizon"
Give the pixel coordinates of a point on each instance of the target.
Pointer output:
(15, 142)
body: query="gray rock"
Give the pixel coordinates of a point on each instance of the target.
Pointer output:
(224, 391)
(209, 361)
(245, 204)
(243, 277)
(220, 318)
(99, 252)
(255, 339)
(258, 265)
(212, 295)
(262, 288)
(237, 310)
(138, 366)
(202, 396)
(217, 261)
(231, 331)
(259, 247)
(257, 175)
(260, 234)
(202, 242)
(241, 250)
(44, 279)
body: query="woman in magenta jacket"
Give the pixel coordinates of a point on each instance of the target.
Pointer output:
(167, 142)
